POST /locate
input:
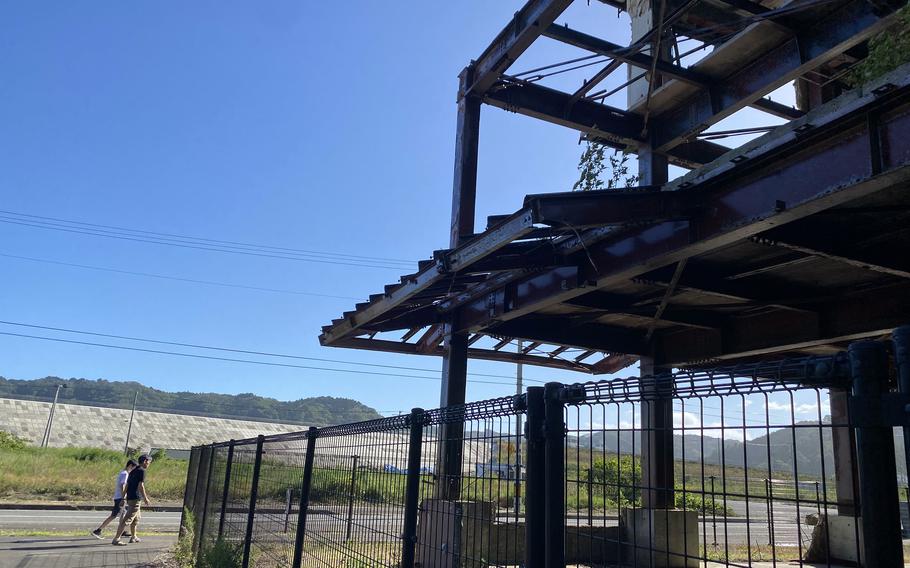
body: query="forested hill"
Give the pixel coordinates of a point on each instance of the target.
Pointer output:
(316, 411)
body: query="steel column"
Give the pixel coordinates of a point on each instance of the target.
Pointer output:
(254, 492)
(454, 384)
(554, 477)
(312, 434)
(201, 481)
(227, 487)
(467, 137)
(657, 436)
(535, 512)
(412, 489)
(880, 514)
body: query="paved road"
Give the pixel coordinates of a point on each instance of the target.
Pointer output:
(77, 552)
(81, 520)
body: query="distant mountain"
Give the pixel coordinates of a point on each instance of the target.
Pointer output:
(319, 411)
(801, 445)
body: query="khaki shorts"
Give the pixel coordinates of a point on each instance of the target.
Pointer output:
(133, 514)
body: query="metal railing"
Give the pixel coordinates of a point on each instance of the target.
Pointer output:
(727, 465)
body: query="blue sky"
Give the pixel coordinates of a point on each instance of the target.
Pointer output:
(319, 126)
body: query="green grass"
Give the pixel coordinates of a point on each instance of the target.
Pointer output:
(80, 474)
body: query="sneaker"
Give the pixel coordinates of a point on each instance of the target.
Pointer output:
(97, 533)
(118, 543)
(135, 539)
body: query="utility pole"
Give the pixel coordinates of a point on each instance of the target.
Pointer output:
(518, 390)
(50, 417)
(126, 446)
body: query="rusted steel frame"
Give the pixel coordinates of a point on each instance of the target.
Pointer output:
(608, 125)
(585, 209)
(668, 293)
(643, 310)
(613, 363)
(464, 182)
(562, 331)
(831, 167)
(868, 314)
(507, 231)
(526, 26)
(849, 26)
(431, 339)
(845, 258)
(387, 346)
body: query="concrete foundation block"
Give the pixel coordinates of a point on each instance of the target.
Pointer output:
(661, 538)
(834, 540)
(454, 534)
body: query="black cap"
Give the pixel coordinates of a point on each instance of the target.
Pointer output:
(145, 457)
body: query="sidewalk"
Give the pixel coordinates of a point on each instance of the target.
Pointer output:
(79, 552)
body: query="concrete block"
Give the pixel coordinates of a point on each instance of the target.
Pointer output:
(661, 538)
(454, 534)
(837, 535)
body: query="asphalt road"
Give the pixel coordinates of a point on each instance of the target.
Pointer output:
(77, 552)
(82, 520)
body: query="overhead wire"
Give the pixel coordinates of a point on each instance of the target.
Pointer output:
(205, 239)
(177, 278)
(240, 351)
(236, 360)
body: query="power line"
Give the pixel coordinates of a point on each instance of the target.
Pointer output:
(49, 226)
(177, 278)
(241, 351)
(233, 360)
(218, 241)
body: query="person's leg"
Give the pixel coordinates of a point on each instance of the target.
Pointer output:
(113, 515)
(134, 535)
(132, 511)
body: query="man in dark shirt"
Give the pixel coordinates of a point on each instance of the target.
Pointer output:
(135, 490)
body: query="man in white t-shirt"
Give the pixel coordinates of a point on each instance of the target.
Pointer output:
(119, 494)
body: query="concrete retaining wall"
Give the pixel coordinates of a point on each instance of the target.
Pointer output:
(99, 427)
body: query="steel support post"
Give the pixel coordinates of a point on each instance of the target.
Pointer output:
(412, 489)
(467, 138)
(535, 460)
(880, 516)
(901, 340)
(353, 490)
(312, 435)
(555, 475)
(189, 493)
(254, 492)
(226, 489)
(657, 436)
(454, 383)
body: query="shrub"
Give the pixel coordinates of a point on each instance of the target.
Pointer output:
(221, 554)
(11, 442)
(183, 550)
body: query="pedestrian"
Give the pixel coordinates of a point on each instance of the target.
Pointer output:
(135, 490)
(119, 492)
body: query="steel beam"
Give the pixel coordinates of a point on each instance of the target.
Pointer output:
(855, 260)
(850, 25)
(584, 209)
(518, 35)
(606, 124)
(467, 137)
(561, 330)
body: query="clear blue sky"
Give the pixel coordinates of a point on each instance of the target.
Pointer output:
(314, 125)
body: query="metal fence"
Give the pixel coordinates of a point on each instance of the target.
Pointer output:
(730, 466)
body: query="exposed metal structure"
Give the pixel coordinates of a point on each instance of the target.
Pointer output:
(799, 236)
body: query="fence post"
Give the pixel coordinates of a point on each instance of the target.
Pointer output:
(188, 495)
(879, 506)
(227, 487)
(412, 489)
(351, 497)
(554, 476)
(202, 476)
(901, 339)
(535, 512)
(254, 490)
(208, 488)
(312, 434)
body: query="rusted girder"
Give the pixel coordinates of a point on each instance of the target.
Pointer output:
(853, 23)
(609, 125)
